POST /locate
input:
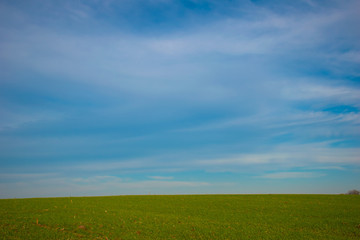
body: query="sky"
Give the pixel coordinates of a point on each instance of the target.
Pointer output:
(179, 97)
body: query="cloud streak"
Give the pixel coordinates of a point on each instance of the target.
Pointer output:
(287, 175)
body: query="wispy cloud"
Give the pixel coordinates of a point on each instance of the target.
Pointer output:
(96, 185)
(285, 156)
(26, 176)
(309, 91)
(329, 168)
(161, 177)
(286, 175)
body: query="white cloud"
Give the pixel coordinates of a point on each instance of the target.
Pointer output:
(285, 156)
(329, 168)
(270, 34)
(288, 120)
(286, 175)
(96, 180)
(109, 164)
(161, 177)
(94, 186)
(315, 91)
(13, 119)
(281, 156)
(22, 176)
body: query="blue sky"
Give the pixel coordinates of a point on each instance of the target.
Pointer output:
(171, 97)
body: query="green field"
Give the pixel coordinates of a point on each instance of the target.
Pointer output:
(183, 217)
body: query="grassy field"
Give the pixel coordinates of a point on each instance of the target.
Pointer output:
(183, 217)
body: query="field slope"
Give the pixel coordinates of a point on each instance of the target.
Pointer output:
(183, 217)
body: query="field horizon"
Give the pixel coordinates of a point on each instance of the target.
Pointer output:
(174, 194)
(203, 216)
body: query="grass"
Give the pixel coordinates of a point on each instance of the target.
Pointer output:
(183, 217)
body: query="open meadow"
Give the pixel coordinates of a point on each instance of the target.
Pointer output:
(182, 217)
